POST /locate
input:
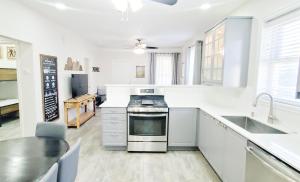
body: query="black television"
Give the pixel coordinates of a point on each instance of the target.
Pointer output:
(79, 84)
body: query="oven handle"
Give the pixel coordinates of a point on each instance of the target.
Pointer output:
(148, 115)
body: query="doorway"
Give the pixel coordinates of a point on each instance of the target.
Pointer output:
(9, 98)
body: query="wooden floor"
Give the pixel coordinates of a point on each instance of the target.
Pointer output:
(10, 129)
(98, 164)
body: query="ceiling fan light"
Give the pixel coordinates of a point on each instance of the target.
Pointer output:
(139, 51)
(60, 6)
(120, 5)
(205, 6)
(135, 5)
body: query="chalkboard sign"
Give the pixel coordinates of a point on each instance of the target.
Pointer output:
(49, 87)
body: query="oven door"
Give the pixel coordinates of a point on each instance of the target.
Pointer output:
(148, 127)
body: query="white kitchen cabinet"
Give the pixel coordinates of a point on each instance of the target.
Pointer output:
(114, 125)
(182, 127)
(226, 53)
(234, 157)
(223, 148)
(213, 142)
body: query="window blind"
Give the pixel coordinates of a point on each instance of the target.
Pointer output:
(280, 55)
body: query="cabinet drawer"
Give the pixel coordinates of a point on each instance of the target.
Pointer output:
(114, 117)
(114, 125)
(114, 139)
(113, 110)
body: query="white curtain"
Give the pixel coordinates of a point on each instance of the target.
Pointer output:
(164, 68)
(193, 64)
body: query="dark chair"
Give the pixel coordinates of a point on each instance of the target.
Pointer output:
(51, 129)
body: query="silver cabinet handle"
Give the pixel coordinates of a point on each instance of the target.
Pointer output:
(148, 115)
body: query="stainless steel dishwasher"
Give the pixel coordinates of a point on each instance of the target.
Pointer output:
(261, 166)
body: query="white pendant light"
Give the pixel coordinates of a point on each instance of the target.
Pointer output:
(139, 50)
(125, 5)
(205, 6)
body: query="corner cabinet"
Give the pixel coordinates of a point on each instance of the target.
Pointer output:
(223, 148)
(182, 127)
(226, 53)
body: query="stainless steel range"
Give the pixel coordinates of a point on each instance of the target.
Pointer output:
(147, 121)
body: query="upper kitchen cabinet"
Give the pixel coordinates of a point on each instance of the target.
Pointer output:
(226, 53)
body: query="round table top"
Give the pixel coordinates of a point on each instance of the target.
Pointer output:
(29, 158)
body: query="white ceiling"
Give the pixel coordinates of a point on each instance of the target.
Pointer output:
(158, 24)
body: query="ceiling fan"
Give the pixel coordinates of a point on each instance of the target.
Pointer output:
(168, 2)
(141, 47)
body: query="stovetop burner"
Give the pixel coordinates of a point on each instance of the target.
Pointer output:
(147, 103)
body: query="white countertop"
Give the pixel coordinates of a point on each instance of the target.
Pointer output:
(116, 103)
(8, 102)
(284, 146)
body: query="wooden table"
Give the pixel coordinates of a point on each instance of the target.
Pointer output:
(8, 106)
(29, 158)
(77, 103)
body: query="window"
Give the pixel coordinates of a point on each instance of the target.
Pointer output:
(163, 69)
(280, 55)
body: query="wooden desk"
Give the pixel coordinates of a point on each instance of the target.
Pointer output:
(77, 103)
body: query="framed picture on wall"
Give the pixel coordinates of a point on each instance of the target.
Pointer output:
(11, 53)
(49, 87)
(96, 69)
(140, 71)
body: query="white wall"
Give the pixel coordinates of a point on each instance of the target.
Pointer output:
(39, 36)
(119, 66)
(261, 10)
(8, 89)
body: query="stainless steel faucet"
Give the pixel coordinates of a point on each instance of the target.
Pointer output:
(271, 116)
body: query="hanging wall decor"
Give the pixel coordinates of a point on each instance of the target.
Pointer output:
(73, 65)
(11, 53)
(140, 71)
(96, 69)
(49, 87)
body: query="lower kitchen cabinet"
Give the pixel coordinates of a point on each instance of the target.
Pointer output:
(211, 137)
(114, 127)
(182, 127)
(222, 147)
(234, 157)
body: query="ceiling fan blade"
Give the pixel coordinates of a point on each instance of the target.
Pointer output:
(168, 2)
(149, 47)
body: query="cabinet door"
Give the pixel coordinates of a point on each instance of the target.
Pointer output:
(218, 56)
(208, 57)
(212, 141)
(235, 157)
(182, 127)
(203, 136)
(216, 147)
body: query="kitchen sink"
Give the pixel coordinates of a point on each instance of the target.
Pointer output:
(252, 125)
